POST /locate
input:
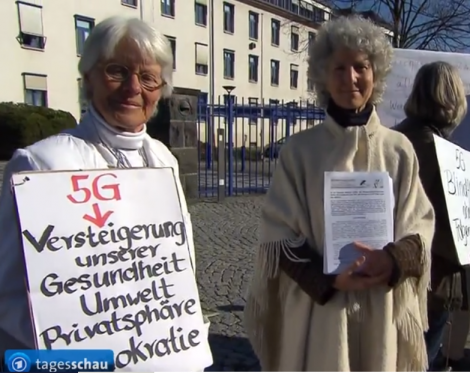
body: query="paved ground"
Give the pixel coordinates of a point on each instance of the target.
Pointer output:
(225, 237)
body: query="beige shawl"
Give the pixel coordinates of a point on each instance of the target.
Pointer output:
(373, 330)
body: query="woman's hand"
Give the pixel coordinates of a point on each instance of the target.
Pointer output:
(377, 262)
(350, 279)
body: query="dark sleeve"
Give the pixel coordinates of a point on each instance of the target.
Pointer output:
(309, 275)
(428, 165)
(407, 255)
(429, 174)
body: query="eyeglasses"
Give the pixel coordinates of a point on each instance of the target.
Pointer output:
(120, 73)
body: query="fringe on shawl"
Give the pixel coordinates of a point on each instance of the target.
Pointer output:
(259, 295)
(410, 329)
(263, 288)
(413, 355)
(267, 262)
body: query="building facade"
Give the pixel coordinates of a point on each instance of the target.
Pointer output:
(257, 47)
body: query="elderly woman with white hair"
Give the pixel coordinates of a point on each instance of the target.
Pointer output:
(126, 67)
(372, 316)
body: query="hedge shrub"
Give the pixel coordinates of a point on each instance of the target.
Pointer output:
(22, 125)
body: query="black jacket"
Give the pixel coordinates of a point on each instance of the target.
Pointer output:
(449, 280)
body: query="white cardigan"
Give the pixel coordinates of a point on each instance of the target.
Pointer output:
(73, 150)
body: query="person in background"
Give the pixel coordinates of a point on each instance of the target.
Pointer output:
(126, 68)
(435, 107)
(372, 316)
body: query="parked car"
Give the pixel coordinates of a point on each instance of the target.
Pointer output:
(271, 151)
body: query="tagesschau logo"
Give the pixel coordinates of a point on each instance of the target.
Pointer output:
(19, 362)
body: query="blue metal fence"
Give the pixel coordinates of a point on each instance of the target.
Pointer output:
(254, 133)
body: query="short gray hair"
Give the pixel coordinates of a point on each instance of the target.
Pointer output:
(438, 95)
(355, 33)
(106, 35)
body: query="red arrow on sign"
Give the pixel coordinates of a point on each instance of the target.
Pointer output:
(99, 219)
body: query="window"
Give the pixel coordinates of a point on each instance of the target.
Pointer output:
(294, 76)
(252, 68)
(202, 100)
(82, 101)
(168, 8)
(172, 41)
(83, 27)
(306, 10)
(227, 100)
(229, 64)
(31, 30)
(253, 20)
(318, 14)
(275, 72)
(294, 38)
(35, 97)
(311, 38)
(309, 85)
(229, 18)
(35, 89)
(303, 9)
(200, 12)
(202, 67)
(252, 117)
(132, 3)
(275, 31)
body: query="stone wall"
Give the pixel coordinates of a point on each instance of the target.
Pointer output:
(159, 127)
(176, 126)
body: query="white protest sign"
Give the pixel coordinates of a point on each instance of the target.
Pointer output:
(453, 164)
(406, 64)
(108, 266)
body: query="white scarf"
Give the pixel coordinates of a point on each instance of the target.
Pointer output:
(106, 139)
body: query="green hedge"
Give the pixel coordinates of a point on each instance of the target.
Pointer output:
(22, 125)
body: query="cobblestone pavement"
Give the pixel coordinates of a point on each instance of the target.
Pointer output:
(225, 236)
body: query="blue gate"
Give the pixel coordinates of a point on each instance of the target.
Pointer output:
(253, 136)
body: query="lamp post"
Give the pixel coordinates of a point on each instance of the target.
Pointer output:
(210, 123)
(230, 118)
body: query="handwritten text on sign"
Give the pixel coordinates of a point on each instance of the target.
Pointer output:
(454, 164)
(109, 256)
(406, 63)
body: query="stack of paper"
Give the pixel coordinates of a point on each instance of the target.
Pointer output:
(358, 208)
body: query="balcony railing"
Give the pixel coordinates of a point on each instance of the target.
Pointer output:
(299, 8)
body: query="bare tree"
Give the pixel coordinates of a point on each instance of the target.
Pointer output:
(442, 25)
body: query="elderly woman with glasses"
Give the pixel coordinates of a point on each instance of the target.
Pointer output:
(126, 68)
(370, 317)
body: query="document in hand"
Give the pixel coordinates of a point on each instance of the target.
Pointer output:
(358, 208)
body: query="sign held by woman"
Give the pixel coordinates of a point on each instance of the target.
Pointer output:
(109, 264)
(454, 164)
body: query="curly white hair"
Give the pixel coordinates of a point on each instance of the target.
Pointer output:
(355, 33)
